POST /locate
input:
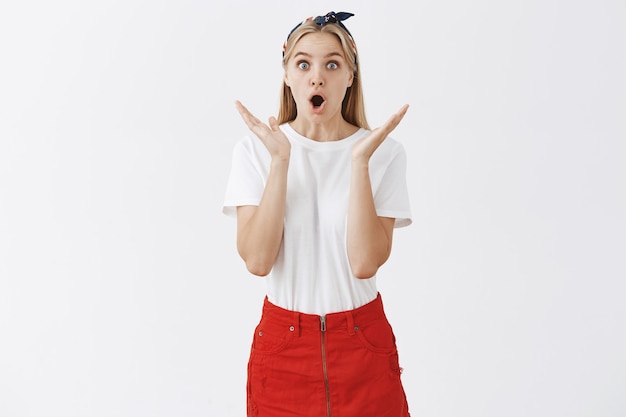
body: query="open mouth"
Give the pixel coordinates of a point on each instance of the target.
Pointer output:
(317, 100)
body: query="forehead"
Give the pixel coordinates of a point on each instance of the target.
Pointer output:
(318, 43)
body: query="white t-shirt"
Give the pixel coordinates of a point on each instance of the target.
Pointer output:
(312, 273)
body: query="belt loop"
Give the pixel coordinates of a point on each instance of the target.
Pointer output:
(296, 324)
(350, 321)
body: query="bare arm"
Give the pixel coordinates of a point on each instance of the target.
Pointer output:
(369, 236)
(260, 228)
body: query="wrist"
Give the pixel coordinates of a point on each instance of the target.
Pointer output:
(280, 161)
(360, 163)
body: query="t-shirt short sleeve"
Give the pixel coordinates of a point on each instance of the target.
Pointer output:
(391, 196)
(246, 180)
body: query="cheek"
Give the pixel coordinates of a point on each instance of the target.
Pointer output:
(297, 82)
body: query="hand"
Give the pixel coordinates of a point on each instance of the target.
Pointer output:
(272, 137)
(365, 147)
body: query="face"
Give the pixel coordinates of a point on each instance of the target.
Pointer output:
(318, 76)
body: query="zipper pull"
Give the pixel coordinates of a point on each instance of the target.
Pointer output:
(323, 320)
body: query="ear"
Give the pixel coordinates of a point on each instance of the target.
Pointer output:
(286, 79)
(350, 79)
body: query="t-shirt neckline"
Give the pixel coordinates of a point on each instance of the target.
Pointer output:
(313, 144)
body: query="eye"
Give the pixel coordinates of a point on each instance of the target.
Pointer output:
(332, 65)
(303, 65)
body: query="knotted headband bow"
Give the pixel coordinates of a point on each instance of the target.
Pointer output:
(330, 17)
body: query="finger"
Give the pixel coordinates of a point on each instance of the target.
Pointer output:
(245, 113)
(253, 122)
(273, 123)
(402, 112)
(395, 119)
(399, 115)
(241, 108)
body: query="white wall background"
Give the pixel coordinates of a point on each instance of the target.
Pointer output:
(121, 293)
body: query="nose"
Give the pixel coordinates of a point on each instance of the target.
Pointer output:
(316, 79)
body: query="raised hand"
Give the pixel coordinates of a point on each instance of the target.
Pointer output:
(365, 148)
(272, 137)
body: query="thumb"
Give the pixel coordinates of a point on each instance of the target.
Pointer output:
(273, 123)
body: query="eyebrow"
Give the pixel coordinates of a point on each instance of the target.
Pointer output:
(305, 54)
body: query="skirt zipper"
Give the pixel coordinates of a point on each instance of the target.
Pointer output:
(323, 329)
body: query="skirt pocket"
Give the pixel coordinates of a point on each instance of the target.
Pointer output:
(377, 336)
(271, 338)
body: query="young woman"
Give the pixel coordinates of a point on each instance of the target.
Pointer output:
(317, 196)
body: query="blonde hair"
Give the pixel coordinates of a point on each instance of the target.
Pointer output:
(353, 106)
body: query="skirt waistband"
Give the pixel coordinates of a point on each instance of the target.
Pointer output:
(345, 320)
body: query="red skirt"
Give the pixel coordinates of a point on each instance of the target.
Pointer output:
(339, 365)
